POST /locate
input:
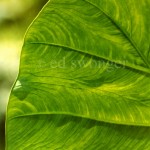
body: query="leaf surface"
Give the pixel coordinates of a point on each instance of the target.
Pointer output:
(84, 80)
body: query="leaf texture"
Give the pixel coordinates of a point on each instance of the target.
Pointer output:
(84, 80)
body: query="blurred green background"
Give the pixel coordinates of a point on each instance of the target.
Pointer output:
(15, 17)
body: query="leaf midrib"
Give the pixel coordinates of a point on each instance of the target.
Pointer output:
(83, 117)
(138, 68)
(124, 33)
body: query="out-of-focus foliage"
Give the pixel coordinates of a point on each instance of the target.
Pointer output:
(15, 17)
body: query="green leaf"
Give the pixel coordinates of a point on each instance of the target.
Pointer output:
(84, 80)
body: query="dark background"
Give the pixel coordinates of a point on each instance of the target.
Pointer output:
(15, 17)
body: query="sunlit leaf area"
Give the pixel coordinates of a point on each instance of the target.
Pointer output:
(84, 78)
(15, 17)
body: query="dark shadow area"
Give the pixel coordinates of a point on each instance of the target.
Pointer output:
(2, 133)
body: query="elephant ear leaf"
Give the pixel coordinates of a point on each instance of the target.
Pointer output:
(84, 79)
